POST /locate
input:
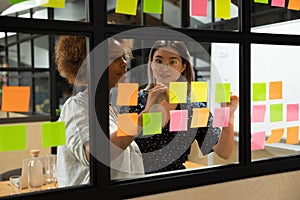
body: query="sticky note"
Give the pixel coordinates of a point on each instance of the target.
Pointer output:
(55, 4)
(278, 3)
(200, 117)
(152, 123)
(12, 138)
(258, 141)
(199, 91)
(275, 90)
(16, 1)
(261, 1)
(294, 5)
(259, 92)
(222, 9)
(178, 120)
(199, 7)
(292, 112)
(177, 92)
(127, 124)
(258, 113)
(292, 136)
(15, 98)
(53, 134)
(222, 92)
(152, 6)
(221, 117)
(275, 136)
(127, 94)
(276, 113)
(128, 7)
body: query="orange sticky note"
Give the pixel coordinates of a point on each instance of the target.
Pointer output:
(292, 136)
(200, 117)
(127, 94)
(294, 5)
(127, 124)
(15, 98)
(275, 90)
(275, 136)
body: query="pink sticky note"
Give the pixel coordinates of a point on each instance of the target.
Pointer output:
(178, 120)
(292, 112)
(221, 117)
(258, 113)
(258, 141)
(278, 3)
(199, 7)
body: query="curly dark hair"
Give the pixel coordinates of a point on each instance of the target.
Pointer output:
(70, 54)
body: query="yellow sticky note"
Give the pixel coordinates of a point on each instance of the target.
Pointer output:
(275, 136)
(199, 91)
(294, 5)
(177, 92)
(292, 135)
(127, 124)
(55, 4)
(200, 117)
(275, 90)
(127, 94)
(15, 98)
(128, 7)
(222, 9)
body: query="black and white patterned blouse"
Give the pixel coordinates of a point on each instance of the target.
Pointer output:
(169, 150)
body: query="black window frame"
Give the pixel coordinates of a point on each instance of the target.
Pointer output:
(101, 185)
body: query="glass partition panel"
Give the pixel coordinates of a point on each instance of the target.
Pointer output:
(209, 15)
(275, 101)
(176, 103)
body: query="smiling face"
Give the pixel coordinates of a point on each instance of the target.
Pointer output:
(167, 65)
(118, 65)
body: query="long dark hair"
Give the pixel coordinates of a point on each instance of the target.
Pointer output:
(179, 47)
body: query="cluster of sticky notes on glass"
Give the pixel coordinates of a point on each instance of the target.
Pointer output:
(53, 134)
(199, 8)
(15, 98)
(12, 137)
(292, 5)
(129, 7)
(292, 135)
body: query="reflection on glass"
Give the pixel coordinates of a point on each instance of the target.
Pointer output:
(178, 118)
(275, 99)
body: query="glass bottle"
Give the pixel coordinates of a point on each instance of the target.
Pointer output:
(35, 172)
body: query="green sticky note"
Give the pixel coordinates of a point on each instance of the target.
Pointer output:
(222, 92)
(152, 6)
(12, 138)
(276, 113)
(152, 123)
(53, 134)
(199, 91)
(55, 4)
(261, 1)
(222, 9)
(16, 1)
(177, 92)
(128, 7)
(259, 92)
